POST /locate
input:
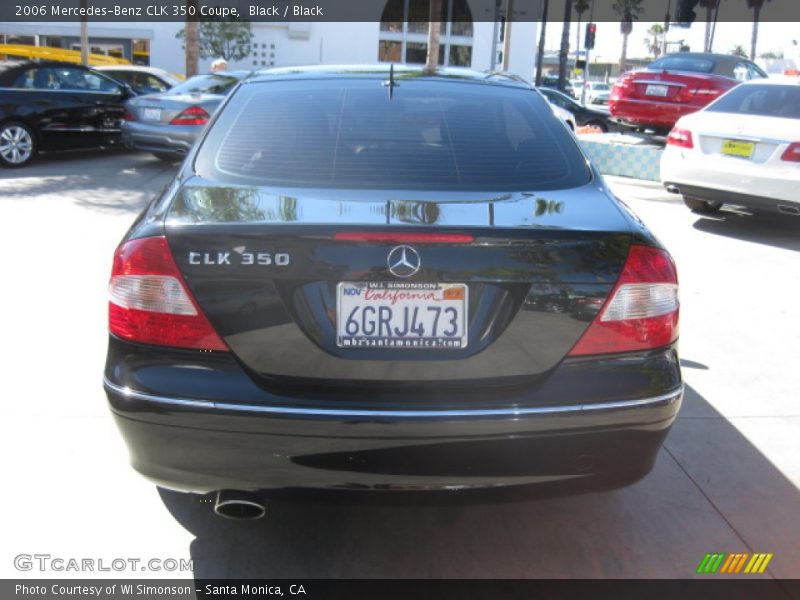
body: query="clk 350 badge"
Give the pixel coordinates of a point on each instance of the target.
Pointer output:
(263, 259)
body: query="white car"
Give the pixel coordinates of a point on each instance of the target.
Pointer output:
(594, 91)
(742, 149)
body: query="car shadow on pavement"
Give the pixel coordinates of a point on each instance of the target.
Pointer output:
(711, 490)
(110, 180)
(780, 231)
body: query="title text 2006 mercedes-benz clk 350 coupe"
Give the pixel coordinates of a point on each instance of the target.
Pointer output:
(389, 279)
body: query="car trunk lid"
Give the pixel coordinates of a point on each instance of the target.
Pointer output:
(267, 267)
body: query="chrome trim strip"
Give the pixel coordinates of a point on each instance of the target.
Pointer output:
(334, 412)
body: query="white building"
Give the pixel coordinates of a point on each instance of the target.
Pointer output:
(465, 42)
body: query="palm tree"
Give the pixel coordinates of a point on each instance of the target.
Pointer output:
(653, 41)
(563, 53)
(580, 7)
(738, 50)
(628, 10)
(709, 5)
(540, 51)
(756, 5)
(192, 40)
(434, 30)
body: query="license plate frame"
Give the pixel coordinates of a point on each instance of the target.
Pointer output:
(410, 306)
(657, 90)
(738, 148)
(151, 114)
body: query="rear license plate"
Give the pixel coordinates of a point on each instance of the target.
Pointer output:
(151, 114)
(401, 315)
(738, 148)
(657, 90)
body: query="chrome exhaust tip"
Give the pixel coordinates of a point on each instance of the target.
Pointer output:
(673, 189)
(239, 505)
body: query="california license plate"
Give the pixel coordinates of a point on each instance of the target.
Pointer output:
(151, 114)
(738, 148)
(656, 90)
(401, 315)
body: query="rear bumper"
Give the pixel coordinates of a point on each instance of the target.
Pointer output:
(648, 113)
(196, 444)
(164, 139)
(729, 180)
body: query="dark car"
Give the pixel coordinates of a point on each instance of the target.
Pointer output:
(676, 85)
(583, 114)
(362, 278)
(167, 124)
(49, 105)
(551, 82)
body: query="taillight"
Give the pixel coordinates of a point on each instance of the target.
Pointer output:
(194, 115)
(792, 153)
(682, 138)
(642, 310)
(128, 116)
(150, 303)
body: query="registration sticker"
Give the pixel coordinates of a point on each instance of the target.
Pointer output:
(401, 315)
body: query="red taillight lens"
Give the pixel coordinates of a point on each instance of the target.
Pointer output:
(642, 310)
(128, 116)
(194, 115)
(682, 138)
(150, 303)
(792, 153)
(400, 237)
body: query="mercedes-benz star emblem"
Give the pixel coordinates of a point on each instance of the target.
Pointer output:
(403, 261)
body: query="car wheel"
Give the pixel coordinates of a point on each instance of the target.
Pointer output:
(170, 158)
(600, 125)
(17, 144)
(702, 207)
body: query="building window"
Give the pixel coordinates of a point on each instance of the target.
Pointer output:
(404, 32)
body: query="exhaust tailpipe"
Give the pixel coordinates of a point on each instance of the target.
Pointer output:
(240, 505)
(788, 210)
(673, 189)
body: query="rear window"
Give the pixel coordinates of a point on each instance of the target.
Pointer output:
(763, 100)
(206, 84)
(429, 135)
(683, 63)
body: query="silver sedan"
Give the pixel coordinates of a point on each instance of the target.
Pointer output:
(167, 124)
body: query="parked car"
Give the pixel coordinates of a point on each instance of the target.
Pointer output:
(742, 149)
(50, 105)
(676, 85)
(600, 98)
(551, 81)
(410, 245)
(142, 80)
(167, 124)
(594, 90)
(583, 115)
(567, 117)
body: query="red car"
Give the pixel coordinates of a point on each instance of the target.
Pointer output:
(676, 85)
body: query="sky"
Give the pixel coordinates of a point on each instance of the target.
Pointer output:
(774, 37)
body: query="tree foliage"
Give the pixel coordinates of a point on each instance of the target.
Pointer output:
(231, 40)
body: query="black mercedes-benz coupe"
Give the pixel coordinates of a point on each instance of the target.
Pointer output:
(50, 105)
(372, 278)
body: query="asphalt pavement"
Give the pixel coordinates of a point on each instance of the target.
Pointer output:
(726, 480)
